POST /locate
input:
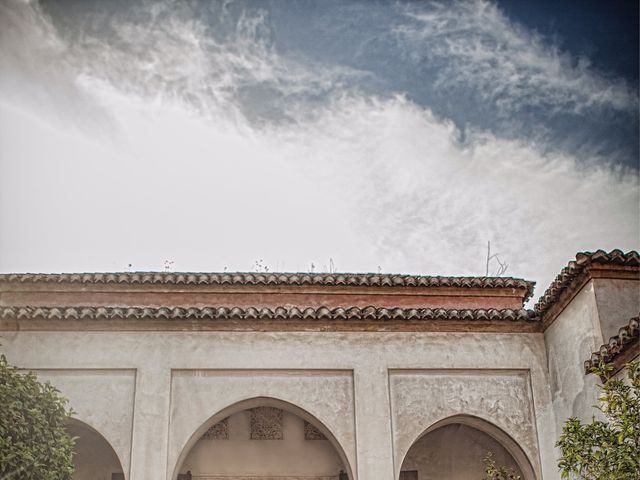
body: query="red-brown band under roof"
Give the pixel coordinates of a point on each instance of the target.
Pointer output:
(327, 279)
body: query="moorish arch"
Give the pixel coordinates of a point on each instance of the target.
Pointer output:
(455, 448)
(93, 456)
(263, 437)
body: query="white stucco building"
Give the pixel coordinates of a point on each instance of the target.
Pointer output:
(303, 376)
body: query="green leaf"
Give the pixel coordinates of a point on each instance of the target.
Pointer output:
(34, 444)
(608, 450)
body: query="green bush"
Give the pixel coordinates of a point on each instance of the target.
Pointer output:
(609, 449)
(34, 444)
(492, 471)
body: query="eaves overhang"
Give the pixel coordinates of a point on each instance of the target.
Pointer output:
(615, 264)
(285, 318)
(620, 348)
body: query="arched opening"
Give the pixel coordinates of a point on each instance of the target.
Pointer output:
(93, 457)
(263, 438)
(455, 448)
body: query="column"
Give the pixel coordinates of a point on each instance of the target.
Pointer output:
(373, 423)
(151, 424)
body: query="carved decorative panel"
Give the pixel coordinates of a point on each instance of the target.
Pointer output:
(312, 433)
(266, 423)
(220, 431)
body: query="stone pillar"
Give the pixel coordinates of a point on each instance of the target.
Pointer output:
(545, 425)
(373, 423)
(151, 424)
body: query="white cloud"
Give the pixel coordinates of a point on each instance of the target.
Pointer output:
(478, 47)
(365, 181)
(37, 71)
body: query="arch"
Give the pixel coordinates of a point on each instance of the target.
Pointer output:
(490, 429)
(87, 433)
(261, 402)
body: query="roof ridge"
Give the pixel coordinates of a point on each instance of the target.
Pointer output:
(576, 267)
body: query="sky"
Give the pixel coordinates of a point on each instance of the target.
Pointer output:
(351, 136)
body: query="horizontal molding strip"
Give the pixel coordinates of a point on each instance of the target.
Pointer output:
(251, 313)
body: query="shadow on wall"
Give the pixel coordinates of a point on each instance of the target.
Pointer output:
(454, 452)
(587, 395)
(455, 448)
(266, 440)
(93, 457)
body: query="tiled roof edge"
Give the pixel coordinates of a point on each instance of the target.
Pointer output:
(576, 267)
(616, 345)
(346, 279)
(251, 313)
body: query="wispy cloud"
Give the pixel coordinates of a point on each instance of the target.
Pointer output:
(476, 46)
(37, 70)
(169, 52)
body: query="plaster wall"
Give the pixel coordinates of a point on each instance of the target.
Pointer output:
(239, 456)
(183, 380)
(455, 452)
(199, 399)
(617, 301)
(93, 457)
(570, 340)
(102, 398)
(422, 398)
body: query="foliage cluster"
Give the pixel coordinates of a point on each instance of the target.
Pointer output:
(34, 444)
(497, 472)
(607, 449)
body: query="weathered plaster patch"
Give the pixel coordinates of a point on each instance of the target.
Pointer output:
(421, 398)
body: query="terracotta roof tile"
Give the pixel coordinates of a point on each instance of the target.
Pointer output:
(571, 273)
(360, 279)
(284, 313)
(343, 279)
(626, 338)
